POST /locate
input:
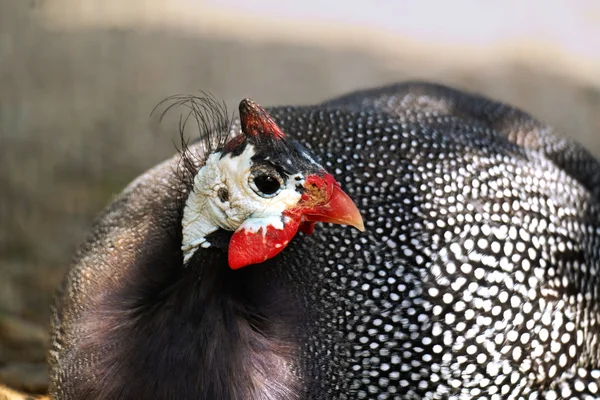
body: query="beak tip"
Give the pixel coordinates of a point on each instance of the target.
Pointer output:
(338, 209)
(358, 223)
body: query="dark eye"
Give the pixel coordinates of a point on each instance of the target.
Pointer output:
(265, 184)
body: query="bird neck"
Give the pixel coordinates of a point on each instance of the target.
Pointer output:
(207, 330)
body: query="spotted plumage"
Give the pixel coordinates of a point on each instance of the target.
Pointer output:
(477, 275)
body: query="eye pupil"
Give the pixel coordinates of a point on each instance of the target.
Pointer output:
(267, 184)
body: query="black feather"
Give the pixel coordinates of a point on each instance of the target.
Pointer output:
(213, 124)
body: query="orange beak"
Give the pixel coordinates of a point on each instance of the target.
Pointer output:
(325, 201)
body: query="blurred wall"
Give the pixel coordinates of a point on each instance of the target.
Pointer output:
(78, 81)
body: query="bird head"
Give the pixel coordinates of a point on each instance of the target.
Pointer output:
(265, 187)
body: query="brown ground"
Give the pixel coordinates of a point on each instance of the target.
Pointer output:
(75, 127)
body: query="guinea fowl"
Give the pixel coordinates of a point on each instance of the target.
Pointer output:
(477, 275)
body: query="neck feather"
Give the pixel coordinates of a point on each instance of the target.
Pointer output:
(203, 331)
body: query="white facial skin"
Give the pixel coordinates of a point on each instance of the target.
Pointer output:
(205, 212)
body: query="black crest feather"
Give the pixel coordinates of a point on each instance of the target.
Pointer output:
(213, 125)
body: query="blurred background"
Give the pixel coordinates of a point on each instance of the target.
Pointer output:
(78, 81)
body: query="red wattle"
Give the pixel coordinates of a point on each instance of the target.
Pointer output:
(307, 227)
(247, 247)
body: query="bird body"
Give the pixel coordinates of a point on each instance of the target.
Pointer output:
(477, 274)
